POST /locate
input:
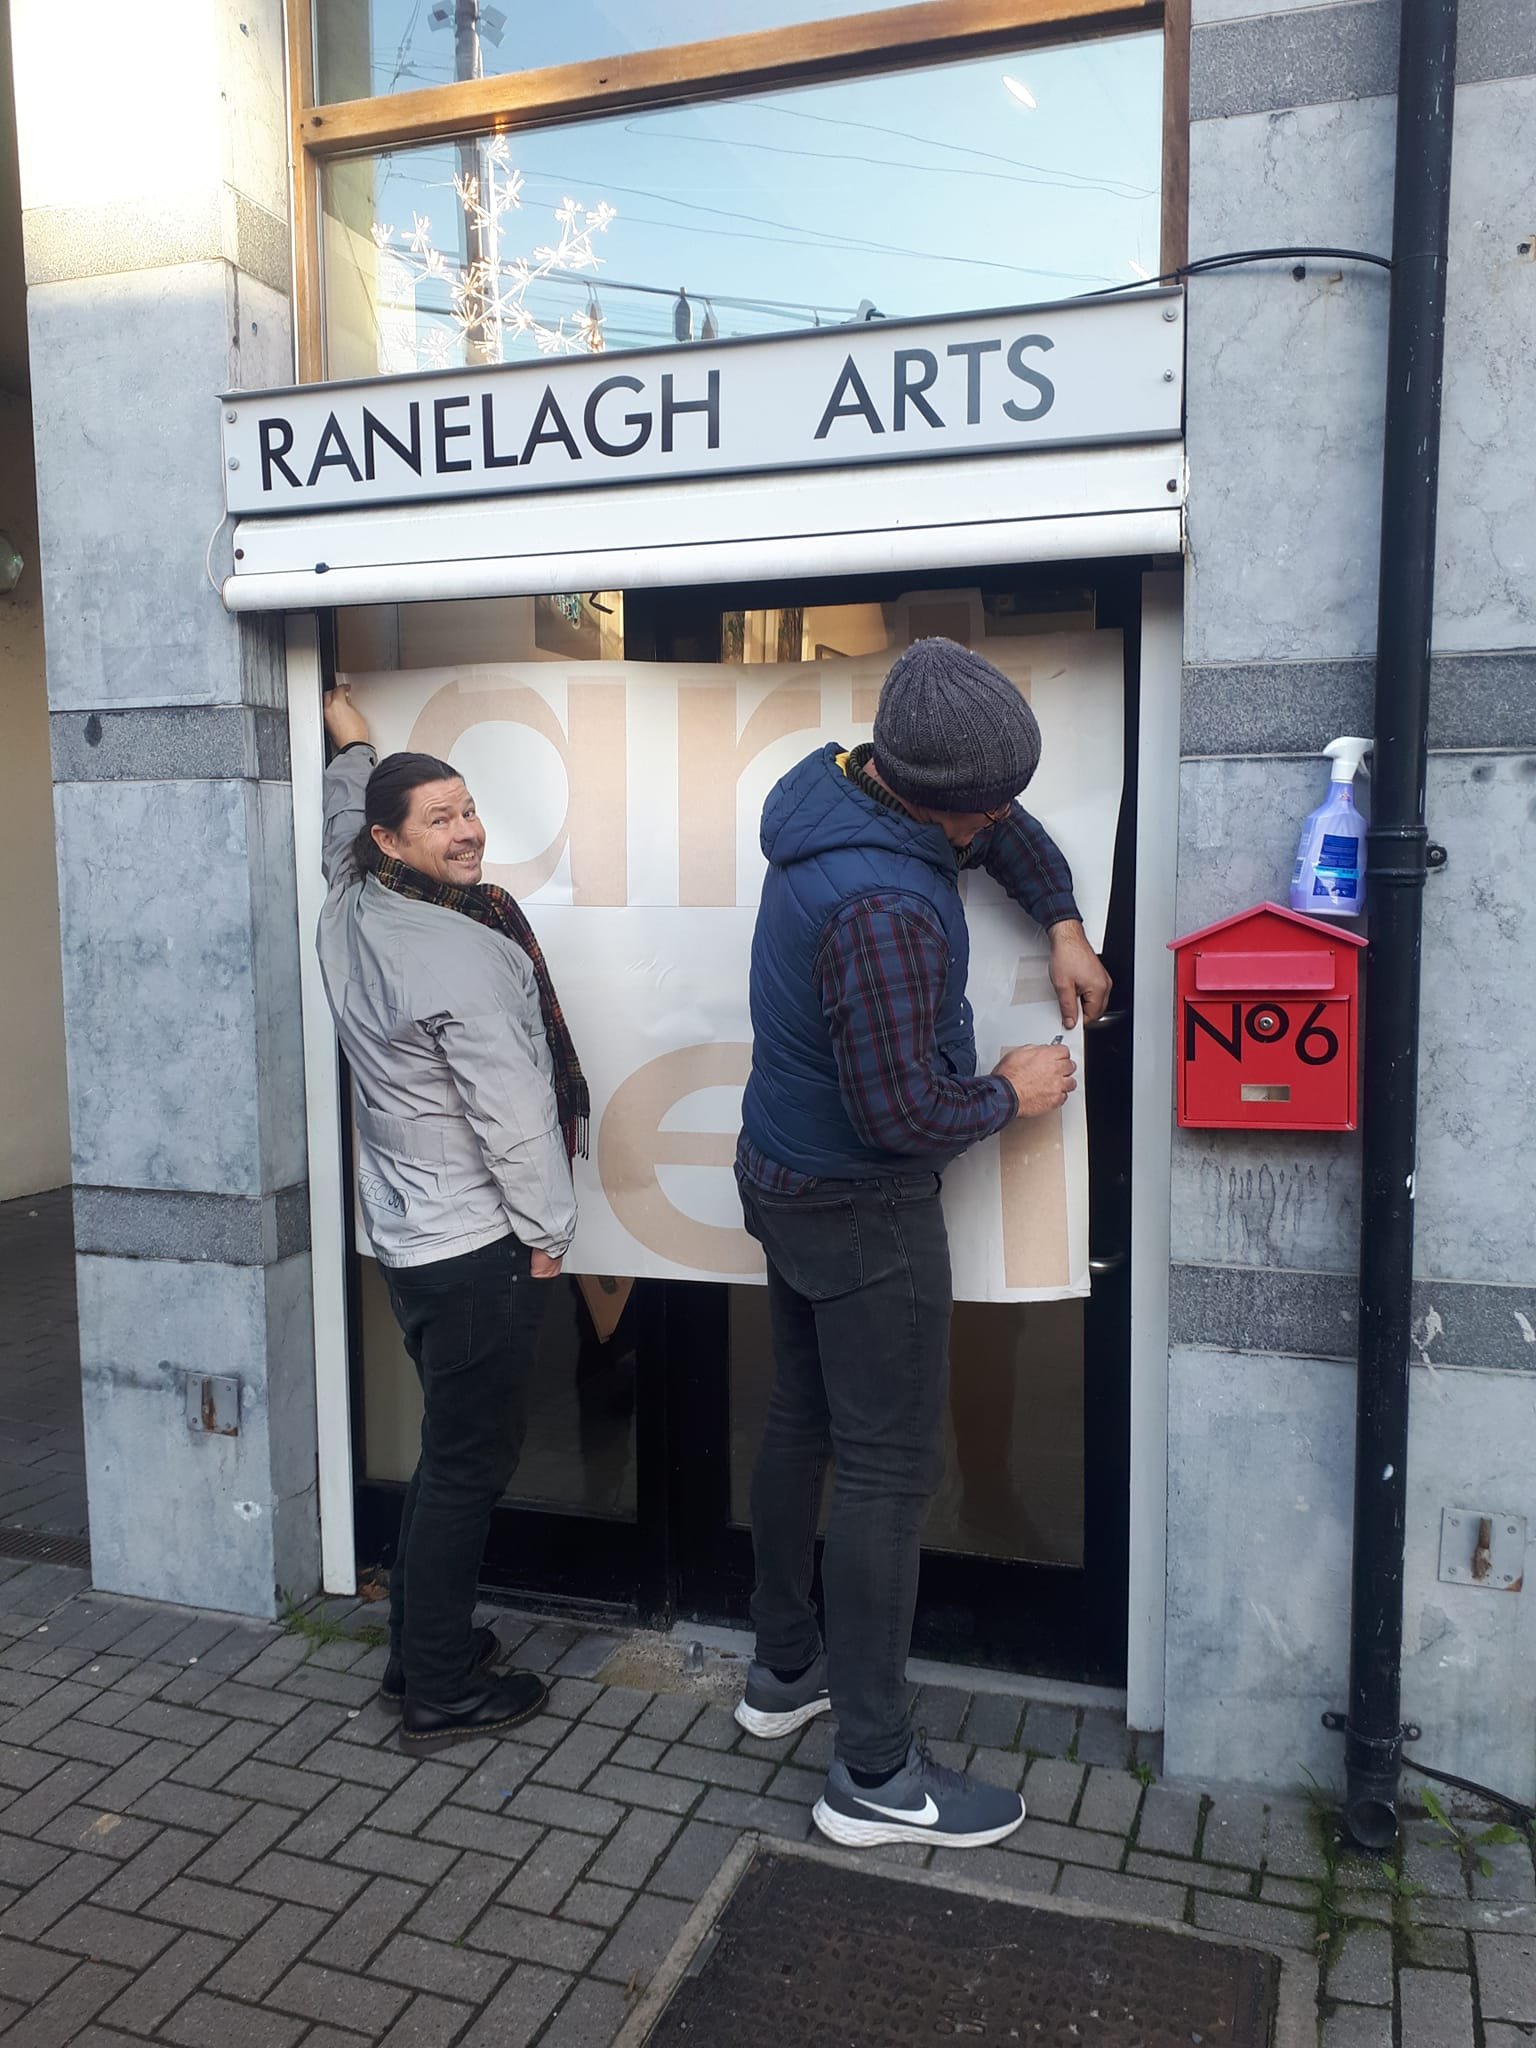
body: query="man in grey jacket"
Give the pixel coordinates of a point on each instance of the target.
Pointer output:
(467, 1094)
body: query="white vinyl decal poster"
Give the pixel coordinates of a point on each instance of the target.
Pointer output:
(621, 802)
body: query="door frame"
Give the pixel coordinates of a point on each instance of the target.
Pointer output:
(1152, 1082)
(1157, 769)
(322, 1116)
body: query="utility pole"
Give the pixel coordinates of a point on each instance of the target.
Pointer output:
(481, 251)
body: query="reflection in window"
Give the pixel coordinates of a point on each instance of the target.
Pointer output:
(579, 1452)
(367, 48)
(1014, 1445)
(575, 625)
(910, 193)
(834, 632)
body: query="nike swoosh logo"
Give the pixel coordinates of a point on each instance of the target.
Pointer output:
(922, 1816)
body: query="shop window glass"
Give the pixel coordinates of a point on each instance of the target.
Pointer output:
(580, 1448)
(1013, 1467)
(367, 48)
(918, 192)
(833, 632)
(575, 625)
(579, 1452)
(1013, 1485)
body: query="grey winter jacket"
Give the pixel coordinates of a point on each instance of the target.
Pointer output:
(458, 1136)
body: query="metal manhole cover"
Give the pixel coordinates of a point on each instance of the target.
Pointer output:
(39, 1546)
(808, 1955)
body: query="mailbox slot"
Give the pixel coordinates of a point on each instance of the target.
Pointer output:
(1277, 971)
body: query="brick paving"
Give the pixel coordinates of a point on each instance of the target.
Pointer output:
(209, 1837)
(42, 1436)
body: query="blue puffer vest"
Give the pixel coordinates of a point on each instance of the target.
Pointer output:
(827, 844)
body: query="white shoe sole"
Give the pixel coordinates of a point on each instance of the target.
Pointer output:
(875, 1834)
(771, 1726)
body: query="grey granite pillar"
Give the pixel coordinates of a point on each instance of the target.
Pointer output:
(156, 227)
(1292, 142)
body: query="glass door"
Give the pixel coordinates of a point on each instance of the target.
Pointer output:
(1026, 1546)
(647, 1394)
(569, 1529)
(582, 1524)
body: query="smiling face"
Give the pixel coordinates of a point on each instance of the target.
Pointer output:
(442, 837)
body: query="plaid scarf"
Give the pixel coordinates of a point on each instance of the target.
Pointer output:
(488, 905)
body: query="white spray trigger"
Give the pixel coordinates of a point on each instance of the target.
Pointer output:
(1346, 755)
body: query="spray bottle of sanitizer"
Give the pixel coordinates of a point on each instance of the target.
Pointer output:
(1329, 877)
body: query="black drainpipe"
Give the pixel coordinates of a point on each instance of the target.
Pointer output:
(1396, 865)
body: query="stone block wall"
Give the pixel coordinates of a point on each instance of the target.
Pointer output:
(1292, 142)
(158, 276)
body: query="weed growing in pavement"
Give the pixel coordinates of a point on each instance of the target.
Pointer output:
(1499, 1836)
(317, 1628)
(1332, 1919)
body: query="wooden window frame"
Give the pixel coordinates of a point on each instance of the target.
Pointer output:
(859, 45)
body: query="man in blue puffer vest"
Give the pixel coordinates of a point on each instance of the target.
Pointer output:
(863, 1089)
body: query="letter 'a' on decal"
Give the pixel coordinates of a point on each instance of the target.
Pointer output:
(374, 431)
(1026, 375)
(333, 452)
(840, 406)
(549, 426)
(273, 449)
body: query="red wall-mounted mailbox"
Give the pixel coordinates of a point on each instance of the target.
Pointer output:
(1268, 1007)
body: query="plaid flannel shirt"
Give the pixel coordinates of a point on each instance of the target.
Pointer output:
(880, 975)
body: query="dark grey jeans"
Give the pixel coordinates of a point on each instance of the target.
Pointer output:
(859, 1300)
(471, 1325)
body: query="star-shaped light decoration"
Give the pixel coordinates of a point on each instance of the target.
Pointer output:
(487, 310)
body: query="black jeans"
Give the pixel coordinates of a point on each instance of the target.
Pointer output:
(471, 1325)
(859, 1300)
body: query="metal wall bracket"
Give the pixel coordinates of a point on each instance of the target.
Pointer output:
(213, 1405)
(1481, 1547)
(1338, 1724)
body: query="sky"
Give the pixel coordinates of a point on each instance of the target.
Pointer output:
(920, 192)
(410, 43)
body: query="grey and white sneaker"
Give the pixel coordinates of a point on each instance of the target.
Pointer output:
(771, 1708)
(925, 1802)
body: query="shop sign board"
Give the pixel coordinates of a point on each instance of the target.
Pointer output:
(1083, 372)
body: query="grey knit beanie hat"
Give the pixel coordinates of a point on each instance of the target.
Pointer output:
(952, 733)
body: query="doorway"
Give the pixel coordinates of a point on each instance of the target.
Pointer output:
(631, 1497)
(42, 1431)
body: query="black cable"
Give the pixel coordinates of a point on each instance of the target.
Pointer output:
(1234, 257)
(1526, 1813)
(828, 242)
(1052, 173)
(840, 156)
